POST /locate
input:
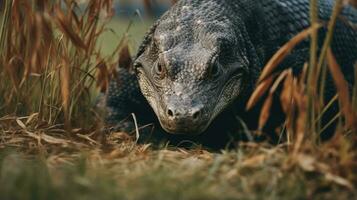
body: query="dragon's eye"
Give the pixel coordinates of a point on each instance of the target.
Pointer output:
(215, 69)
(159, 70)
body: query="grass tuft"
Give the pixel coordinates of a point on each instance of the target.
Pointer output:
(49, 59)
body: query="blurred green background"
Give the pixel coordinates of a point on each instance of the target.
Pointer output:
(117, 30)
(134, 16)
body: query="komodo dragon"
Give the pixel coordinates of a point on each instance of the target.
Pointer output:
(200, 61)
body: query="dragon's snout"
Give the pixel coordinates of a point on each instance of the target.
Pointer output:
(180, 118)
(177, 114)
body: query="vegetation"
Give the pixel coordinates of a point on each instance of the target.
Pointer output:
(52, 143)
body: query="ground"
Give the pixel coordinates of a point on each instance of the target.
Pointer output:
(54, 167)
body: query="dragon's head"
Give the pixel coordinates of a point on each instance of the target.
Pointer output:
(191, 66)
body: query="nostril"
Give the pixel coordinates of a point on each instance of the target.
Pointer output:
(170, 112)
(196, 115)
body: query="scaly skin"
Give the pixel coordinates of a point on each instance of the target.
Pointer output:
(202, 58)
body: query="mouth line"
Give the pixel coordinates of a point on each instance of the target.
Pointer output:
(184, 130)
(226, 84)
(215, 113)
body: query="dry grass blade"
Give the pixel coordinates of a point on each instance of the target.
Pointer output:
(288, 104)
(66, 27)
(340, 181)
(255, 161)
(279, 80)
(148, 7)
(353, 3)
(265, 112)
(259, 92)
(284, 51)
(65, 89)
(125, 60)
(4, 23)
(286, 96)
(301, 101)
(354, 96)
(342, 90)
(13, 67)
(102, 76)
(21, 124)
(49, 139)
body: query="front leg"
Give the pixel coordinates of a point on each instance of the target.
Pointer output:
(124, 98)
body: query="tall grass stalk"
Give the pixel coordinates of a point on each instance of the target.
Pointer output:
(354, 96)
(317, 73)
(312, 64)
(4, 22)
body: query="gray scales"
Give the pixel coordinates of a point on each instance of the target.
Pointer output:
(199, 63)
